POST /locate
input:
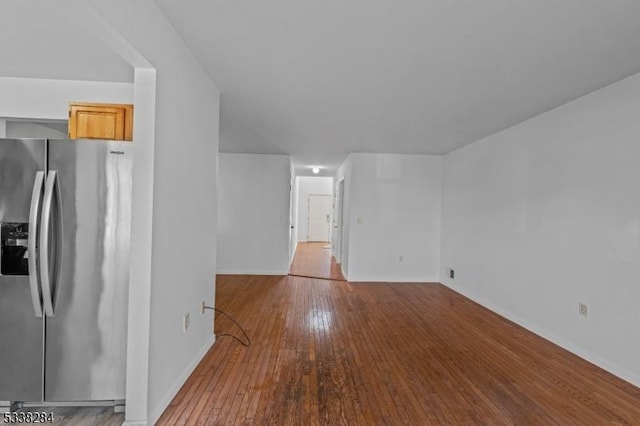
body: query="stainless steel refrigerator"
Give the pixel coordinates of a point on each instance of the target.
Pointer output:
(65, 208)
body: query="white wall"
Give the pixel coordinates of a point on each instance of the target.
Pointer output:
(141, 265)
(26, 129)
(394, 212)
(182, 246)
(308, 185)
(253, 214)
(546, 214)
(38, 98)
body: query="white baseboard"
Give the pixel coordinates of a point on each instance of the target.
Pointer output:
(164, 403)
(250, 272)
(616, 370)
(394, 280)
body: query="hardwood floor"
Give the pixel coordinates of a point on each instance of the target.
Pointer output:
(331, 352)
(313, 260)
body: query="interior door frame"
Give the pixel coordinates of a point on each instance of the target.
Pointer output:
(338, 220)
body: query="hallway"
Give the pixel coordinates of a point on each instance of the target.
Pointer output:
(314, 260)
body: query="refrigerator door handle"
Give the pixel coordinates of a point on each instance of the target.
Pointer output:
(45, 270)
(34, 225)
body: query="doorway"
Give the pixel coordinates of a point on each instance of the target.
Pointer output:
(319, 218)
(313, 216)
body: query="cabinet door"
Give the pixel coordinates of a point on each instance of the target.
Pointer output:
(100, 121)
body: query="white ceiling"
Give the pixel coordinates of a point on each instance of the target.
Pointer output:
(44, 39)
(320, 79)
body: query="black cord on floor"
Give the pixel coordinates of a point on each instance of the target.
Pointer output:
(247, 343)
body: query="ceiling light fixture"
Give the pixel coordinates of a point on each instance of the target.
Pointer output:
(315, 170)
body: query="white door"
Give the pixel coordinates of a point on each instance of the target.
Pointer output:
(319, 217)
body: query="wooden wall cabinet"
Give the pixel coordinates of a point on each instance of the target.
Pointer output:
(100, 121)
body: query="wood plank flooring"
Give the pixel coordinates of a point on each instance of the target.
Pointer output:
(313, 260)
(332, 353)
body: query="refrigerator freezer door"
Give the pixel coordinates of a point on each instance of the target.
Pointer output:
(51, 238)
(21, 332)
(86, 336)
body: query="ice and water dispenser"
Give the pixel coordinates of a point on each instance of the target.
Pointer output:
(14, 248)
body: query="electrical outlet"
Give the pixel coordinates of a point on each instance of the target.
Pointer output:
(186, 321)
(583, 309)
(452, 273)
(202, 308)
